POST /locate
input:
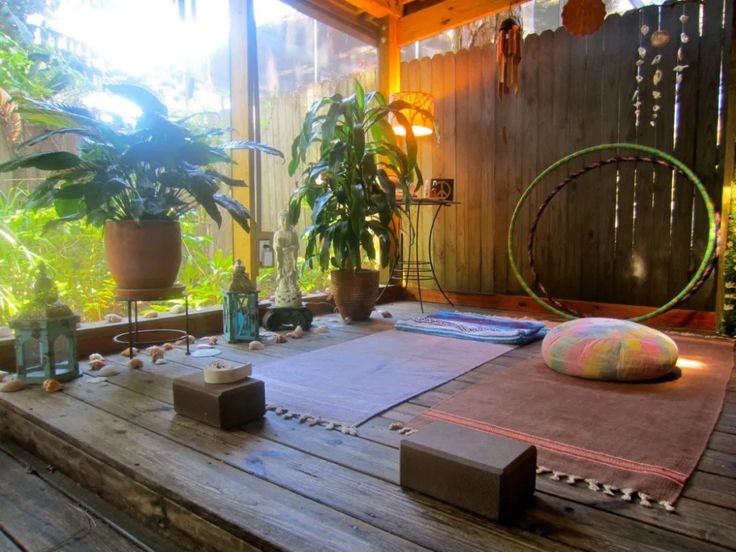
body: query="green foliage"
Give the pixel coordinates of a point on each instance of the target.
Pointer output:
(157, 170)
(351, 187)
(35, 71)
(310, 279)
(83, 280)
(205, 273)
(728, 323)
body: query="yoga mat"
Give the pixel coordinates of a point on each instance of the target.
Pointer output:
(350, 382)
(635, 437)
(475, 327)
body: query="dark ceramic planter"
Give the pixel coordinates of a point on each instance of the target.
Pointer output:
(355, 292)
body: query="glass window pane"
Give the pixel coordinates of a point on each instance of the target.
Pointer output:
(300, 60)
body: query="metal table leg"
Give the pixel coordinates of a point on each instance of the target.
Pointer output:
(431, 265)
(416, 251)
(186, 320)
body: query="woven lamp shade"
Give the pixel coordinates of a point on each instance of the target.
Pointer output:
(421, 123)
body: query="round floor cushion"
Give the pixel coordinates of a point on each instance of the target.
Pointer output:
(609, 349)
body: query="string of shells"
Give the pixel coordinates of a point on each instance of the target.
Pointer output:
(657, 39)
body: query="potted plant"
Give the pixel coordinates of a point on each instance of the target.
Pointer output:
(135, 180)
(350, 187)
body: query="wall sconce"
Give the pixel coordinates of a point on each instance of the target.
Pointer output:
(420, 115)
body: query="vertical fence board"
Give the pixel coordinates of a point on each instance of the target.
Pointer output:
(462, 116)
(449, 146)
(545, 156)
(611, 112)
(663, 178)
(424, 83)
(473, 155)
(439, 166)
(525, 150)
(488, 141)
(590, 188)
(624, 268)
(679, 261)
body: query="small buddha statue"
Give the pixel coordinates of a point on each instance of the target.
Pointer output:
(286, 243)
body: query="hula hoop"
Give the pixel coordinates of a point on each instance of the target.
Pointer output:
(706, 264)
(557, 189)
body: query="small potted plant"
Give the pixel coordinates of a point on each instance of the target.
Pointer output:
(351, 188)
(135, 180)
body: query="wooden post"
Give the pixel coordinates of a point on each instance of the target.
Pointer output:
(389, 57)
(244, 246)
(389, 81)
(729, 161)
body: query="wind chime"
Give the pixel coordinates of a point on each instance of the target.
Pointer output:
(508, 56)
(657, 39)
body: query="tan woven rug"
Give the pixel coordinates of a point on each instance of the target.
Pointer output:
(635, 441)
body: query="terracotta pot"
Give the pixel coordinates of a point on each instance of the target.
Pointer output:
(143, 255)
(355, 292)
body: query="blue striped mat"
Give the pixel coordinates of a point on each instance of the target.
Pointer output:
(478, 327)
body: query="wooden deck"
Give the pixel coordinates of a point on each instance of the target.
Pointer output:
(278, 484)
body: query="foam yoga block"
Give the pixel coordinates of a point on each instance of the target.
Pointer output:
(224, 405)
(486, 474)
(609, 349)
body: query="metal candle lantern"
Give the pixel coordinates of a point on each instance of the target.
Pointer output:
(45, 335)
(240, 308)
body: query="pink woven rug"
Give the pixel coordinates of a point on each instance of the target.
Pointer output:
(348, 383)
(635, 441)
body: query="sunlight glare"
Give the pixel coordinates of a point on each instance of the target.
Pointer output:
(689, 364)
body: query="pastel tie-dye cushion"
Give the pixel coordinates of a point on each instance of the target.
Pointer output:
(609, 349)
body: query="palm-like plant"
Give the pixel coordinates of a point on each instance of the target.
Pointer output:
(156, 170)
(351, 186)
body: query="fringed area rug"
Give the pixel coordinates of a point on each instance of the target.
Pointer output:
(635, 441)
(476, 327)
(344, 385)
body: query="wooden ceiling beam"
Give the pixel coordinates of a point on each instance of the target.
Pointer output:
(362, 27)
(446, 15)
(378, 8)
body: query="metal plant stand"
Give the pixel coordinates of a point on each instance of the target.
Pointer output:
(412, 269)
(132, 338)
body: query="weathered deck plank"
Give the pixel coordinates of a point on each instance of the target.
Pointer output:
(37, 517)
(214, 490)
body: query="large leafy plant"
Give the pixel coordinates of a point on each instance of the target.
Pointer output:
(351, 185)
(157, 169)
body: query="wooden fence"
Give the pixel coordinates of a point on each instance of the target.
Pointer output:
(623, 234)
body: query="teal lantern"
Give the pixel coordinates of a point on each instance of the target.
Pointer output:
(45, 335)
(240, 308)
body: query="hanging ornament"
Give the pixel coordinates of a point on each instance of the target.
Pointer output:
(660, 39)
(657, 78)
(639, 78)
(508, 56)
(583, 17)
(684, 39)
